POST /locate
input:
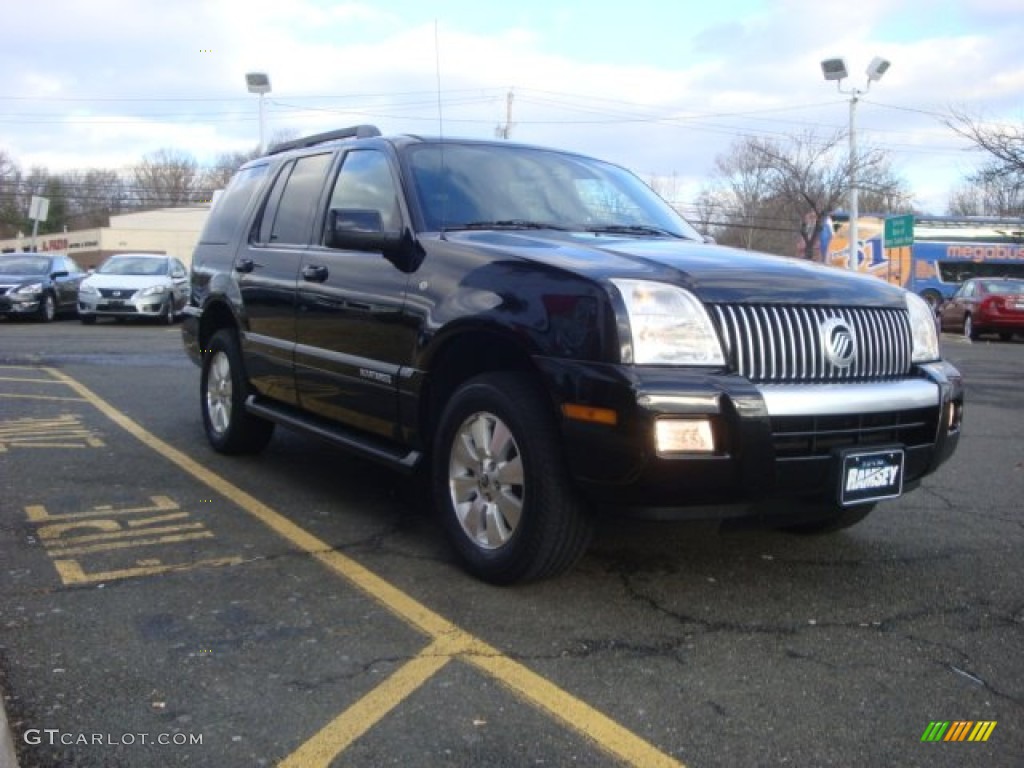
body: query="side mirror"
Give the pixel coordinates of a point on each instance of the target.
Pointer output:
(358, 229)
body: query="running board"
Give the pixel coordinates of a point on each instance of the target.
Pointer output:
(381, 451)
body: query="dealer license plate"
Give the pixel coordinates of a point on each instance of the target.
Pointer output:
(871, 476)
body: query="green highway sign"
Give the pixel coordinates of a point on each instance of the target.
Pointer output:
(899, 231)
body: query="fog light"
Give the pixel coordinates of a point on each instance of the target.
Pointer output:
(683, 436)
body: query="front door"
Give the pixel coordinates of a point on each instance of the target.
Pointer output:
(351, 335)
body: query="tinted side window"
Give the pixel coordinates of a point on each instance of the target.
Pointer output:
(231, 204)
(365, 183)
(294, 216)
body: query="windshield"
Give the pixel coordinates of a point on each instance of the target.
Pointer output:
(28, 265)
(477, 185)
(133, 265)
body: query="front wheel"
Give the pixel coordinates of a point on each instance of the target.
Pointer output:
(501, 485)
(223, 390)
(47, 308)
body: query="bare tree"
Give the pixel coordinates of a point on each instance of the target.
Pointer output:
(94, 196)
(744, 189)
(166, 178)
(781, 191)
(1004, 143)
(985, 197)
(11, 219)
(999, 183)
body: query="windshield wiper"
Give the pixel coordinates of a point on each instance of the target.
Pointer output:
(506, 224)
(633, 229)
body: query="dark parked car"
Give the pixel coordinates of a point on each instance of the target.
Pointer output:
(38, 285)
(985, 305)
(544, 335)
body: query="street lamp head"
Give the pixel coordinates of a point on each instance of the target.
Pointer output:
(257, 82)
(877, 68)
(834, 69)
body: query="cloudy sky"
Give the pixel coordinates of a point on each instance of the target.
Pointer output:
(661, 87)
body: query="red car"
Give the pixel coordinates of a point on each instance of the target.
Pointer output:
(985, 305)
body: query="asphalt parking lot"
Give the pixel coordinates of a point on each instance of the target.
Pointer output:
(164, 605)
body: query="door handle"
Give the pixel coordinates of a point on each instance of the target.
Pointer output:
(314, 273)
(245, 266)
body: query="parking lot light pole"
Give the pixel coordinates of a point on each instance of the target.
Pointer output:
(259, 83)
(835, 69)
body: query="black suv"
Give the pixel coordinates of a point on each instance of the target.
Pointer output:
(544, 335)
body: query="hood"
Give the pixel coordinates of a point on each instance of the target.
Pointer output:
(714, 273)
(132, 282)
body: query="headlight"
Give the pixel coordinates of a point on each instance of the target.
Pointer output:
(668, 326)
(83, 288)
(153, 290)
(30, 288)
(922, 329)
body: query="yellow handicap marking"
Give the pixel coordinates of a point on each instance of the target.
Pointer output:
(447, 640)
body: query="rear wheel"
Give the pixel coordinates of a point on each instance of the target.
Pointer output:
(223, 390)
(970, 332)
(501, 486)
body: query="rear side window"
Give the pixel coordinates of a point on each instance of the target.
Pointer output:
(227, 212)
(293, 218)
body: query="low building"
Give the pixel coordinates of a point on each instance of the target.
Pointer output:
(173, 231)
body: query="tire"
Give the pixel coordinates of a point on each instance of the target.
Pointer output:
(501, 486)
(970, 332)
(835, 519)
(223, 390)
(167, 316)
(87, 319)
(47, 309)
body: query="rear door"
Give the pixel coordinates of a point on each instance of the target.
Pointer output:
(268, 266)
(351, 336)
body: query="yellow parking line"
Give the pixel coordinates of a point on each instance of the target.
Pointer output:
(449, 640)
(337, 735)
(7, 396)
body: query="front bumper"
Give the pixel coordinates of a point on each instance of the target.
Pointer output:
(772, 443)
(19, 305)
(145, 306)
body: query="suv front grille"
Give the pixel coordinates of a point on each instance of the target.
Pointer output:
(778, 343)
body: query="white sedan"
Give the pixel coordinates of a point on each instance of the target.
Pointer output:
(142, 285)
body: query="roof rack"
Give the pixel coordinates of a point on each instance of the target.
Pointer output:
(356, 131)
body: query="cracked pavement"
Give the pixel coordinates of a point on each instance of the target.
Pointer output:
(719, 647)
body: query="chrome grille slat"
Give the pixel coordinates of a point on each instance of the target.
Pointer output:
(783, 343)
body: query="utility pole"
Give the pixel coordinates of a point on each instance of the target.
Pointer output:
(503, 131)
